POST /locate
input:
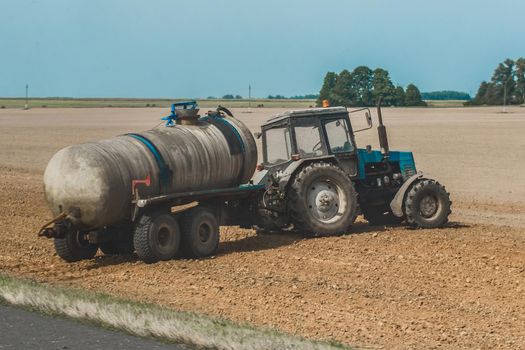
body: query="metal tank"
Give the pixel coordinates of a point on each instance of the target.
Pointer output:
(94, 180)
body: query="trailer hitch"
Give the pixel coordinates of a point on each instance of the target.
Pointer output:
(51, 232)
(62, 224)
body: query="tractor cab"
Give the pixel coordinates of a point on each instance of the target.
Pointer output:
(318, 180)
(308, 135)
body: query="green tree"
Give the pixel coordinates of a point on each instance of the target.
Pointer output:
(413, 96)
(520, 79)
(362, 86)
(342, 93)
(383, 87)
(503, 83)
(228, 97)
(399, 96)
(327, 88)
(481, 95)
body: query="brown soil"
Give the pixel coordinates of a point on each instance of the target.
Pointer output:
(458, 287)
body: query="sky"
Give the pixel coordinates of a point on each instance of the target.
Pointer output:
(199, 48)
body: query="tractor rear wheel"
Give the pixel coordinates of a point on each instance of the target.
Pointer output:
(75, 247)
(322, 200)
(427, 204)
(200, 232)
(378, 215)
(156, 237)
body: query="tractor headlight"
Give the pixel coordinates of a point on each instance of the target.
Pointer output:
(397, 176)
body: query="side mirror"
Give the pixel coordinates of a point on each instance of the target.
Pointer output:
(356, 118)
(257, 135)
(368, 119)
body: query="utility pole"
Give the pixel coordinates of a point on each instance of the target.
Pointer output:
(250, 96)
(27, 97)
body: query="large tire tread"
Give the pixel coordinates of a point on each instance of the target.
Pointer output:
(190, 247)
(413, 218)
(297, 195)
(142, 240)
(68, 249)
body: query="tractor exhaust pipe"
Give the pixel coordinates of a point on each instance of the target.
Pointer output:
(381, 130)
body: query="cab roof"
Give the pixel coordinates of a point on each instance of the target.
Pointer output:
(300, 113)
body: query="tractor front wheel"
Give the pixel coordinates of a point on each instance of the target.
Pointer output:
(427, 204)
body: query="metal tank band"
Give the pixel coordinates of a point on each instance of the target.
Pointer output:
(165, 173)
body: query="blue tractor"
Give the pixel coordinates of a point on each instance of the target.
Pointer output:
(317, 180)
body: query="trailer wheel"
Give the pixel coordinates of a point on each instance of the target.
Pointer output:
(322, 200)
(427, 204)
(380, 215)
(200, 232)
(156, 236)
(75, 247)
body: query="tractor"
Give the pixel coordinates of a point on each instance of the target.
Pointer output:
(317, 180)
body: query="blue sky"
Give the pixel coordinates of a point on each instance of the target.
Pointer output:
(161, 48)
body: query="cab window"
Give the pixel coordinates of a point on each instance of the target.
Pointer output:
(278, 145)
(309, 141)
(338, 137)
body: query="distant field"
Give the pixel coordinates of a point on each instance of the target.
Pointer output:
(205, 103)
(127, 103)
(445, 103)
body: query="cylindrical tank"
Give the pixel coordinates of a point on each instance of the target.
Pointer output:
(95, 178)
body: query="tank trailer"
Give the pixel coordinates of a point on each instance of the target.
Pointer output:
(165, 192)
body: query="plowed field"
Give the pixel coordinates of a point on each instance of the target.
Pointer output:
(462, 286)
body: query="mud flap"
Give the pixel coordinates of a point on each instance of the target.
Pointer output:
(397, 203)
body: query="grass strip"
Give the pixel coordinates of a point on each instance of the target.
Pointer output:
(148, 320)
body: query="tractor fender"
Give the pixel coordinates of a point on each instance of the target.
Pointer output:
(397, 203)
(290, 171)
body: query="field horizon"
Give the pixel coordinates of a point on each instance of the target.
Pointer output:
(127, 102)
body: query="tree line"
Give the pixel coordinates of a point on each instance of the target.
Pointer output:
(270, 97)
(297, 97)
(363, 87)
(507, 85)
(445, 95)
